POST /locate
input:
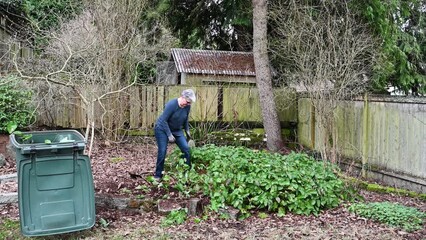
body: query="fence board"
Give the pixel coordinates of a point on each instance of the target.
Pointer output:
(152, 106)
(161, 98)
(135, 108)
(241, 104)
(206, 107)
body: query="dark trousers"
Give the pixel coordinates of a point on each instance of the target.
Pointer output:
(162, 142)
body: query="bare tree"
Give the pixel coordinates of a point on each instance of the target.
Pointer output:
(97, 56)
(271, 122)
(325, 53)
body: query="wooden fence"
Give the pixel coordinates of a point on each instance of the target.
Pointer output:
(139, 106)
(383, 136)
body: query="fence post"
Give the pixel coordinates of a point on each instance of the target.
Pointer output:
(365, 142)
(312, 126)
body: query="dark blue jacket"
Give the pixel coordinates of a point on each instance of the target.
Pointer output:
(174, 118)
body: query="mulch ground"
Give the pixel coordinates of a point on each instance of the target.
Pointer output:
(118, 170)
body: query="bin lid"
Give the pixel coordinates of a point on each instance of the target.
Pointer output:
(56, 194)
(45, 140)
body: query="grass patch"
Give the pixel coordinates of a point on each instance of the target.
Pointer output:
(9, 229)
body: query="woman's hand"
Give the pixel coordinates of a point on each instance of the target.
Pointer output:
(172, 139)
(188, 134)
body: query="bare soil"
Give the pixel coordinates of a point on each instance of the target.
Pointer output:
(118, 170)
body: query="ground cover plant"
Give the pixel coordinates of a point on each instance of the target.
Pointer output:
(392, 214)
(249, 179)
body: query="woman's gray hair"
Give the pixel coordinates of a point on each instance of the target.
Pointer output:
(189, 95)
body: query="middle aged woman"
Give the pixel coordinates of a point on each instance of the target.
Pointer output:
(170, 126)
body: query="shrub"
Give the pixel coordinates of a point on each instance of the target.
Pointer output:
(15, 104)
(392, 214)
(250, 179)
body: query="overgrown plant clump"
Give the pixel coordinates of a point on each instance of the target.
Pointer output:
(249, 179)
(15, 104)
(392, 214)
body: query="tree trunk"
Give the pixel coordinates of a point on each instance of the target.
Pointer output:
(271, 122)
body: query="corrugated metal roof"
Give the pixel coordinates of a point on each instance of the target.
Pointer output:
(213, 62)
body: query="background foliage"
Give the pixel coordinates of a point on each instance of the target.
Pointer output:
(47, 15)
(401, 26)
(15, 104)
(224, 25)
(227, 25)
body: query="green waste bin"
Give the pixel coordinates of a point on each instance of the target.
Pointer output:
(55, 182)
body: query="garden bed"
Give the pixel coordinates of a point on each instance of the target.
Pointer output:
(123, 171)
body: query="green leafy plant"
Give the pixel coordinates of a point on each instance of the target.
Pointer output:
(125, 190)
(143, 188)
(197, 220)
(262, 215)
(187, 180)
(15, 105)
(175, 217)
(249, 179)
(11, 127)
(163, 184)
(103, 223)
(392, 214)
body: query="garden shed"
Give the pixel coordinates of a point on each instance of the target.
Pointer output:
(200, 67)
